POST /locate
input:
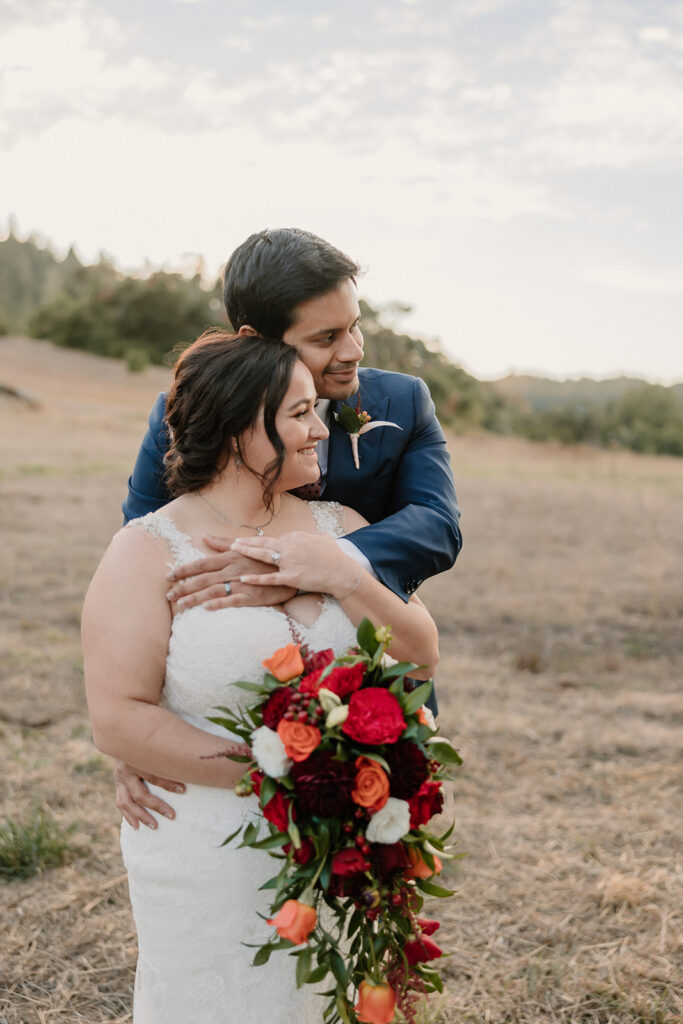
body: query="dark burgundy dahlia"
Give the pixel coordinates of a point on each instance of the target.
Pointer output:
(323, 785)
(276, 705)
(409, 769)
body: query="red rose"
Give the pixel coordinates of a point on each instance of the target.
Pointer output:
(348, 862)
(276, 705)
(310, 684)
(320, 659)
(375, 717)
(420, 950)
(305, 851)
(276, 811)
(427, 802)
(345, 679)
(428, 927)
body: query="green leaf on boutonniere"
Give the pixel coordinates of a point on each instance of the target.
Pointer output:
(349, 419)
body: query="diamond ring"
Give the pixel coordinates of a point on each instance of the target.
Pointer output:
(276, 556)
(228, 588)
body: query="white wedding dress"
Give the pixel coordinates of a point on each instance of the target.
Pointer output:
(195, 902)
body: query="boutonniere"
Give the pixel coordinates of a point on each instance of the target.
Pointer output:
(357, 423)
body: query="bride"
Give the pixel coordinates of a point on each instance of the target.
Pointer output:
(244, 429)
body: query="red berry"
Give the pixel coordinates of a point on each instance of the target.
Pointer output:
(366, 863)
(396, 899)
(302, 716)
(365, 849)
(347, 827)
(359, 812)
(360, 840)
(288, 716)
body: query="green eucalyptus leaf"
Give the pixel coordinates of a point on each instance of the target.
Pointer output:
(271, 842)
(432, 889)
(262, 955)
(366, 637)
(231, 836)
(379, 759)
(443, 751)
(416, 698)
(268, 790)
(303, 966)
(338, 968)
(242, 684)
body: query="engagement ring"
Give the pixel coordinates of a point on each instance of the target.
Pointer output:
(228, 589)
(276, 556)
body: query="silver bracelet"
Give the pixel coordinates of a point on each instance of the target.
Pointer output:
(354, 587)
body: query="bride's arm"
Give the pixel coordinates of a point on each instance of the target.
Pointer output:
(315, 562)
(125, 631)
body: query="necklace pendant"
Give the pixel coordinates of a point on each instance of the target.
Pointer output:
(259, 532)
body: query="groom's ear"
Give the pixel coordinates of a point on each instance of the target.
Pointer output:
(247, 331)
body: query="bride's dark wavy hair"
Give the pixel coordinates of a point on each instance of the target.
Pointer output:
(221, 382)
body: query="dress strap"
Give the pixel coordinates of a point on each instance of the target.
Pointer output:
(328, 517)
(178, 544)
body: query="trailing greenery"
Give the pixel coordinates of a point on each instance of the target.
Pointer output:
(143, 319)
(34, 845)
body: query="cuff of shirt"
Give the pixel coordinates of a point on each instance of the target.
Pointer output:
(350, 549)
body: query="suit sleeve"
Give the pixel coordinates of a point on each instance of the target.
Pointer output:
(420, 534)
(147, 490)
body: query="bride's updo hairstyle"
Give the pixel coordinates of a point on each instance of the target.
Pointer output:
(221, 382)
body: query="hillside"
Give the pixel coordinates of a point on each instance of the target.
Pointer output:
(143, 319)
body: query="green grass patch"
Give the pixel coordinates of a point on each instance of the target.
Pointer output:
(34, 845)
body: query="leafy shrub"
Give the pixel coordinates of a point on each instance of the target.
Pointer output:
(29, 847)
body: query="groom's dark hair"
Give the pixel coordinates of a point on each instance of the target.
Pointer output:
(271, 273)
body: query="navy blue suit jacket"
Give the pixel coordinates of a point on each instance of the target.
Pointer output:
(404, 486)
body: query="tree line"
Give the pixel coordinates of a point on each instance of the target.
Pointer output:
(98, 309)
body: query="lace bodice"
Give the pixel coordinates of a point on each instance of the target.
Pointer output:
(208, 650)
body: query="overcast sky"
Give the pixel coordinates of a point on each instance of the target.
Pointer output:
(510, 168)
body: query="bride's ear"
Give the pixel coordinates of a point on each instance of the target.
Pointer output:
(246, 331)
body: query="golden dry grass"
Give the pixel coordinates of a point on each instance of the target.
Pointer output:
(560, 681)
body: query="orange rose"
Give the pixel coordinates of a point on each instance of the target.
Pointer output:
(376, 1003)
(419, 868)
(299, 739)
(294, 921)
(285, 664)
(372, 784)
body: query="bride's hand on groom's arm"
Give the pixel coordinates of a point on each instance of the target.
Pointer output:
(203, 581)
(134, 799)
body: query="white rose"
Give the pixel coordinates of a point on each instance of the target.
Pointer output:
(390, 823)
(337, 716)
(328, 699)
(269, 752)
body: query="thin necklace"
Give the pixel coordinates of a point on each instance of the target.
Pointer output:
(233, 522)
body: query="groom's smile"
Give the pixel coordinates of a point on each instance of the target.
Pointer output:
(326, 333)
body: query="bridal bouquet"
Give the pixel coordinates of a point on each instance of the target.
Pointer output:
(348, 769)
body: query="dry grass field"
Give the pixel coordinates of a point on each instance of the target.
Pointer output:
(560, 682)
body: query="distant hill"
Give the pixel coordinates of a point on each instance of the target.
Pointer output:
(143, 319)
(542, 393)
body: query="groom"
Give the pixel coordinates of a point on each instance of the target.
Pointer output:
(290, 284)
